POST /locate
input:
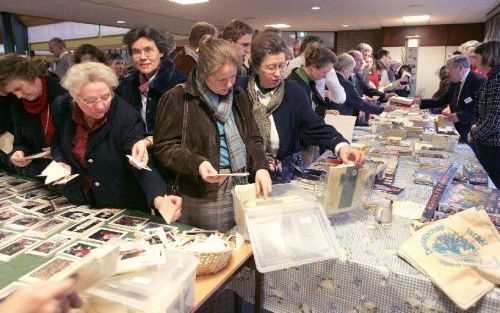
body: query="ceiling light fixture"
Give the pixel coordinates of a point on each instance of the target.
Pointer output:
(186, 2)
(120, 22)
(416, 19)
(315, 8)
(345, 25)
(279, 25)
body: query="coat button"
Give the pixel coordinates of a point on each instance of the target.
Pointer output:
(91, 161)
(97, 184)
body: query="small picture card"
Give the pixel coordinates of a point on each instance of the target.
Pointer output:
(31, 205)
(79, 249)
(47, 270)
(166, 228)
(61, 203)
(8, 214)
(104, 234)
(21, 188)
(138, 163)
(47, 228)
(129, 222)
(197, 232)
(75, 214)
(18, 246)
(82, 228)
(38, 155)
(156, 236)
(16, 182)
(49, 209)
(24, 222)
(51, 245)
(107, 214)
(5, 204)
(393, 190)
(10, 288)
(5, 194)
(7, 236)
(135, 256)
(34, 193)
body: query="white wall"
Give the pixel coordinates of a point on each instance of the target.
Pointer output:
(430, 59)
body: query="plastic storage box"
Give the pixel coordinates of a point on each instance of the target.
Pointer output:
(244, 199)
(168, 288)
(290, 235)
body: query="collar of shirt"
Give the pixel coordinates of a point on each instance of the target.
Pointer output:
(63, 54)
(303, 75)
(462, 81)
(191, 52)
(264, 98)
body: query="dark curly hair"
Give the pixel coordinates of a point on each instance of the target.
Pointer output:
(88, 49)
(14, 66)
(146, 31)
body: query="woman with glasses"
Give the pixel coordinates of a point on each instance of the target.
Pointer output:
(207, 128)
(283, 112)
(95, 131)
(154, 75)
(35, 90)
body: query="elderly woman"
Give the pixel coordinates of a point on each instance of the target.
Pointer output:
(95, 131)
(345, 68)
(207, 127)
(283, 112)
(31, 112)
(485, 132)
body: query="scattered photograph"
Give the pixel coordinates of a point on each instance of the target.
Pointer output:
(35, 193)
(105, 234)
(81, 228)
(48, 269)
(24, 222)
(21, 188)
(11, 250)
(45, 229)
(8, 214)
(5, 194)
(393, 190)
(166, 228)
(61, 203)
(49, 209)
(130, 222)
(5, 204)
(7, 236)
(75, 214)
(79, 249)
(107, 214)
(51, 245)
(31, 205)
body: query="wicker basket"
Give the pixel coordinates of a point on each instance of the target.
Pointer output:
(212, 262)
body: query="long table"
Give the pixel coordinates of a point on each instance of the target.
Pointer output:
(373, 278)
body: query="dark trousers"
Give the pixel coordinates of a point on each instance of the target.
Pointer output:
(490, 160)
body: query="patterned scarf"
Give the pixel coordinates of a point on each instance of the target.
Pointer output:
(223, 112)
(262, 112)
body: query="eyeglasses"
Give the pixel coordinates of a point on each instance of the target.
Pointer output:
(94, 101)
(271, 68)
(148, 52)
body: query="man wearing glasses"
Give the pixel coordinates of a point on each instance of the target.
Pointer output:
(239, 34)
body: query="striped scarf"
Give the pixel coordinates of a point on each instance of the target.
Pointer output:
(223, 112)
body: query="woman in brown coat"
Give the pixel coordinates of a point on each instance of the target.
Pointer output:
(207, 127)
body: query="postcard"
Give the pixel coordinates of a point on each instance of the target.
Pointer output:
(24, 222)
(75, 214)
(31, 205)
(5, 204)
(61, 203)
(129, 222)
(81, 228)
(107, 214)
(79, 249)
(7, 236)
(166, 228)
(157, 236)
(104, 234)
(47, 228)
(18, 246)
(138, 163)
(393, 190)
(34, 193)
(135, 256)
(26, 186)
(167, 210)
(8, 214)
(49, 209)
(51, 245)
(48, 270)
(54, 171)
(5, 194)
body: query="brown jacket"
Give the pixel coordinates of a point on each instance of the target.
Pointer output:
(184, 63)
(202, 137)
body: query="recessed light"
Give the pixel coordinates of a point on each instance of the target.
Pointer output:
(345, 25)
(416, 19)
(279, 25)
(315, 8)
(120, 22)
(186, 2)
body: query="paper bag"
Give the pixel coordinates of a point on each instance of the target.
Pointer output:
(445, 249)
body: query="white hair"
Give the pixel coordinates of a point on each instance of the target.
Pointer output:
(345, 61)
(80, 74)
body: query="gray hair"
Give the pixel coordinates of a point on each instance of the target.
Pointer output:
(344, 62)
(80, 74)
(468, 46)
(460, 60)
(364, 47)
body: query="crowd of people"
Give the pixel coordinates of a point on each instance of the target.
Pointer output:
(244, 101)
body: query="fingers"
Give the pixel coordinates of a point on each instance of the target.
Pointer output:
(59, 289)
(19, 160)
(344, 156)
(74, 300)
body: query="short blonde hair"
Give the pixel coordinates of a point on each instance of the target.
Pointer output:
(345, 61)
(80, 74)
(214, 53)
(468, 47)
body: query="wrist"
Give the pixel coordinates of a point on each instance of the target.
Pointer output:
(149, 141)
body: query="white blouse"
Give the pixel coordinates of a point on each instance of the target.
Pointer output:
(275, 139)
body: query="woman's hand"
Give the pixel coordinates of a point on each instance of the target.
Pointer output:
(176, 203)
(66, 166)
(389, 108)
(333, 112)
(206, 170)
(263, 183)
(48, 156)
(347, 154)
(140, 152)
(19, 160)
